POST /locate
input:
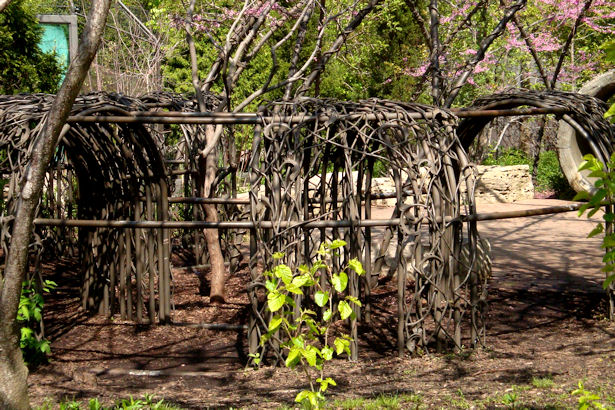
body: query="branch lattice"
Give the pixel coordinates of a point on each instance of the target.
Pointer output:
(99, 171)
(316, 166)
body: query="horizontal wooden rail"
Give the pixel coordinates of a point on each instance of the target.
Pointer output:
(177, 117)
(91, 223)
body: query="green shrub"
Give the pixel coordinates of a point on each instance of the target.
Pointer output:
(509, 156)
(34, 346)
(549, 176)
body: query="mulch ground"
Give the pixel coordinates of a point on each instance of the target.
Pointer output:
(546, 321)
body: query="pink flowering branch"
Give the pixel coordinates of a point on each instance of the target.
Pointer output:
(533, 52)
(566, 48)
(509, 13)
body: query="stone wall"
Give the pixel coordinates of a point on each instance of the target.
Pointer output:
(494, 184)
(503, 184)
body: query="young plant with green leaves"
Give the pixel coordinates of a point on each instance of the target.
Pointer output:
(33, 344)
(308, 339)
(587, 399)
(604, 194)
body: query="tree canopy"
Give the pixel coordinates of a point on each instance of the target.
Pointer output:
(23, 66)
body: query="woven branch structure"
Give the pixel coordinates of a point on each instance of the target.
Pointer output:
(321, 169)
(585, 115)
(312, 168)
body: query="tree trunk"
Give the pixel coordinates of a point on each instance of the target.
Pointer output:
(537, 145)
(13, 373)
(208, 168)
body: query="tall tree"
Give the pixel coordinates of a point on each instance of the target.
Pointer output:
(13, 372)
(23, 66)
(287, 44)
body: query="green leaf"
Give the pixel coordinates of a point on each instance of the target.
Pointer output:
(356, 266)
(256, 357)
(593, 212)
(327, 353)
(289, 301)
(275, 300)
(345, 310)
(598, 197)
(338, 243)
(302, 396)
(608, 281)
(608, 268)
(313, 397)
(274, 323)
(283, 272)
(45, 347)
(264, 338)
(308, 312)
(598, 173)
(608, 241)
(312, 325)
(610, 112)
(609, 50)
(298, 342)
(596, 231)
(321, 298)
(341, 346)
(302, 280)
(339, 281)
(609, 256)
(293, 357)
(310, 355)
(278, 255)
(319, 264)
(609, 217)
(583, 208)
(271, 285)
(327, 315)
(26, 332)
(25, 312)
(324, 384)
(294, 289)
(354, 300)
(583, 195)
(322, 249)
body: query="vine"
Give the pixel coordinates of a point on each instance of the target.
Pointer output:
(310, 341)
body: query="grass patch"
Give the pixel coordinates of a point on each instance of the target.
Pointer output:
(148, 402)
(542, 382)
(347, 404)
(382, 401)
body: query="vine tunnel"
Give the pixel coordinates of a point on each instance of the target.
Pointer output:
(311, 181)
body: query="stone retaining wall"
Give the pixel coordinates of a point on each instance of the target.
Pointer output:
(495, 183)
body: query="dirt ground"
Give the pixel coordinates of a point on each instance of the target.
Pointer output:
(546, 333)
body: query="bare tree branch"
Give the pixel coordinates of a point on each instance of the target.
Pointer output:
(420, 21)
(484, 45)
(436, 74)
(465, 23)
(337, 44)
(564, 52)
(136, 19)
(530, 46)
